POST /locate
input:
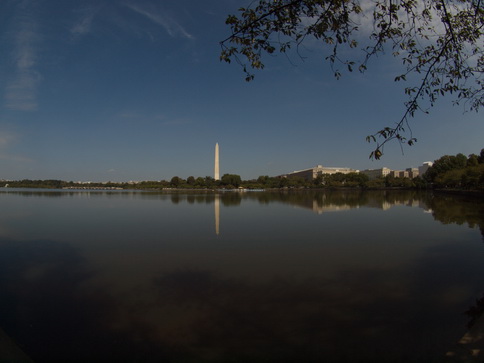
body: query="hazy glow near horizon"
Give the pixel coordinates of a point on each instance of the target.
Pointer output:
(134, 90)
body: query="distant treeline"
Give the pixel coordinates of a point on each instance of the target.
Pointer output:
(448, 172)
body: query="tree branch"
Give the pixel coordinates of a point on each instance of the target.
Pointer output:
(411, 107)
(258, 19)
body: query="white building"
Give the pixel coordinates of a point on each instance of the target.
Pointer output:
(376, 173)
(425, 166)
(312, 173)
(413, 172)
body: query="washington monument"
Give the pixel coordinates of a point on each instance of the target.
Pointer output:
(216, 173)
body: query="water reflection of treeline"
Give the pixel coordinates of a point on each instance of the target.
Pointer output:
(446, 208)
(458, 209)
(309, 199)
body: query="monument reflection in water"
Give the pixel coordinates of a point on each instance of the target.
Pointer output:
(357, 276)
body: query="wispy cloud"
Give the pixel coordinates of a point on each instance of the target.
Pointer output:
(171, 26)
(179, 121)
(21, 91)
(131, 115)
(16, 158)
(158, 118)
(6, 139)
(83, 26)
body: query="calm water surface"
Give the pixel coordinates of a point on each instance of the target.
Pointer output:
(139, 276)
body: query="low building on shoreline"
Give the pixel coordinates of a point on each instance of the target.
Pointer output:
(313, 173)
(425, 166)
(376, 173)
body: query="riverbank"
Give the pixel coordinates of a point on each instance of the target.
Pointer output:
(130, 187)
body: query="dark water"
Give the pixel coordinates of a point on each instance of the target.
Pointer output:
(131, 276)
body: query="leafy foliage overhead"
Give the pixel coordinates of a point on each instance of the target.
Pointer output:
(439, 41)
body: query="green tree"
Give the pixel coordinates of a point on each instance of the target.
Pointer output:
(200, 182)
(191, 181)
(471, 176)
(445, 164)
(472, 160)
(419, 183)
(439, 43)
(297, 182)
(263, 180)
(481, 157)
(350, 180)
(376, 183)
(450, 179)
(176, 181)
(319, 180)
(210, 182)
(231, 180)
(280, 182)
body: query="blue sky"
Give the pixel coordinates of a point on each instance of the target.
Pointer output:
(134, 90)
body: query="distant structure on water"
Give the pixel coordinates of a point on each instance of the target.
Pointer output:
(216, 174)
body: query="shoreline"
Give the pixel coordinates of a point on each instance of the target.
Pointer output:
(242, 189)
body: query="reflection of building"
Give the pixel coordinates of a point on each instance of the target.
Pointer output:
(379, 204)
(312, 173)
(385, 205)
(413, 203)
(376, 173)
(424, 206)
(322, 204)
(320, 209)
